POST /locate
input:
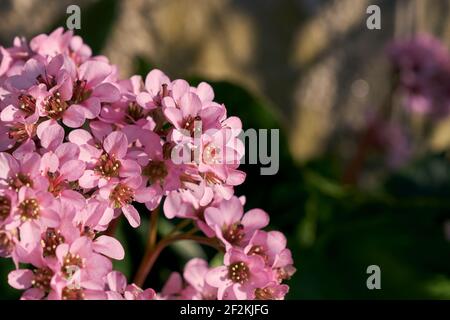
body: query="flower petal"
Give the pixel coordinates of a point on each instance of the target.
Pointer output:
(116, 143)
(132, 215)
(116, 281)
(107, 92)
(74, 116)
(20, 279)
(255, 219)
(109, 247)
(94, 72)
(72, 169)
(129, 168)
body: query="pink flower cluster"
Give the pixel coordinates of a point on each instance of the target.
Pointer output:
(79, 146)
(256, 262)
(423, 67)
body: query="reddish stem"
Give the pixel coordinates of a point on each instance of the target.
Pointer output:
(356, 164)
(151, 256)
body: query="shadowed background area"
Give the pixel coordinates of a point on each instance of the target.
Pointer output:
(313, 69)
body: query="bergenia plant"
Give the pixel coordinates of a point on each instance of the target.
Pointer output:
(80, 147)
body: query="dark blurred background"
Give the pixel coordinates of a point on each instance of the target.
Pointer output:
(313, 69)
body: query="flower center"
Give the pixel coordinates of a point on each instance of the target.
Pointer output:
(56, 185)
(71, 293)
(27, 103)
(88, 232)
(21, 132)
(258, 250)
(20, 180)
(283, 274)
(167, 149)
(5, 207)
(164, 90)
(42, 278)
(209, 296)
(191, 125)
(155, 171)
(107, 166)
(211, 154)
(264, 294)
(71, 264)
(211, 179)
(80, 93)
(239, 272)
(121, 195)
(18, 132)
(29, 209)
(234, 233)
(6, 245)
(54, 106)
(50, 241)
(49, 81)
(134, 113)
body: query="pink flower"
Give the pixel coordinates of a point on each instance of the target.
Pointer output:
(212, 159)
(79, 267)
(190, 202)
(271, 246)
(117, 289)
(232, 226)
(42, 249)
(5, 61)
(94, 217)
(53, 44)
(109, 247)
(240, 276)
(12, 58)
(112, 163)
(91, 88)
(33, 214)
(205, 92)
(8, 199)
(272, 291)
(51, 134)
(36, 282)
(423, 65)
(121, 194)
(21, 106)
(17, 133)
(62, 167)
(69, 229)
(189, 110)
(160, 173)
(194, 273)
(16, 174)
(157, 86)
(7, 243)
(127, 111)
(90, 150)
(51, 88)
(173, 288)
(60, 42)
(219, 157)
(133, 292)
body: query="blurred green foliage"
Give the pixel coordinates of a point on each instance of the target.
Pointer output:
(335, 232)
